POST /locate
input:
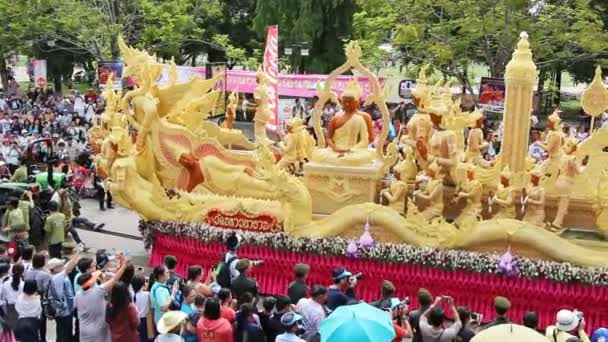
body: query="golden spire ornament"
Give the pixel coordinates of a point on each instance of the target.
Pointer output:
(595, 97)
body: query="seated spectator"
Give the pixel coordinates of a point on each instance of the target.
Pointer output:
(298, 288)
(432, 320)
(247, 327)
(211, 327)
(424, 299)
(313, 310)
(566, 322)
(290, 323)
(228, 305)
(170, 326)
(242, 283)
(388, 290)
(343, 289)
(466, 333)
(501, 306)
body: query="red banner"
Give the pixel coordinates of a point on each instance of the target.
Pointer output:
(271, 67)
(239, 220)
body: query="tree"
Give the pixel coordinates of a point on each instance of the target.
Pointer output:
(323, 25)
(453, 34)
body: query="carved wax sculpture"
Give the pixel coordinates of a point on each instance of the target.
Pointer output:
(503, 202)
(443, 149)
(433, 192)
(475, 143)
(553, 145)
(535, 200)
(348, 134)
(570, 167)
(397, 192)
(297, 145)
(420, 127)
(248, 182)
(233, 100)
(471, 191)
(263, 112)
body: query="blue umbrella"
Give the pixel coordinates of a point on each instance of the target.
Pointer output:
(357, 323)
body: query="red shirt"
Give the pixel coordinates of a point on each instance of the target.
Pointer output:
(124, 326)
(218, 330)
(228, 313)
(399, 332)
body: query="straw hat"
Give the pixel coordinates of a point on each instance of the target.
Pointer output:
(566, 320)
(170, 320)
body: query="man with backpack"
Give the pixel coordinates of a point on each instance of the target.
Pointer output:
(60, 294)
(226, 270)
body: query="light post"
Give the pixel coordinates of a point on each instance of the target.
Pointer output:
(300, 50)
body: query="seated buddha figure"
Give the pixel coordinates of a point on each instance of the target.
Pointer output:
(349, 133)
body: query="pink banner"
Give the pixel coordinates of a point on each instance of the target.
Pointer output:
(271, 67)
(295, 85)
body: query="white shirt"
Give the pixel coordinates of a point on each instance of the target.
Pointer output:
(28, 306)
(9, 296)
(312, 315)
(233, 272)
(142, 301)
(288, 337)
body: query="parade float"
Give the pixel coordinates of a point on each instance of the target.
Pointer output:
(424, 210)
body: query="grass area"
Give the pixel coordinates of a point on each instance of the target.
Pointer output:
(570, 108)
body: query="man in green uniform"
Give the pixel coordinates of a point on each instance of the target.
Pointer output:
(25, 204)
(20, 175)
(55, 230)
(12, 218)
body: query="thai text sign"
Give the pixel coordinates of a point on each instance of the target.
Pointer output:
(239, 220)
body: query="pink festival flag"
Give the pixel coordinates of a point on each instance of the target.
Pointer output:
(271, 67)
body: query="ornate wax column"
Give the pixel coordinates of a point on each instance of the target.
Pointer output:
(520, 78)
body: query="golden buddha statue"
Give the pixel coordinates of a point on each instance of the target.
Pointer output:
(349, 133)
(504, 198)
(471, 191)
(534, 199)
(433, 192)
(570, 167)
(297, 145)
(397, 192)
(475, 143)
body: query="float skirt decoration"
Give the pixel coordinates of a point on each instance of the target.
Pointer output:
(471, 278)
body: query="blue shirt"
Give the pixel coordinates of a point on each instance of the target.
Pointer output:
(186, 308)
(336, 298)
(159, 294)
(63, 289)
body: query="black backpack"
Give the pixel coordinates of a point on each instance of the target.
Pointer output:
(222, 269)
